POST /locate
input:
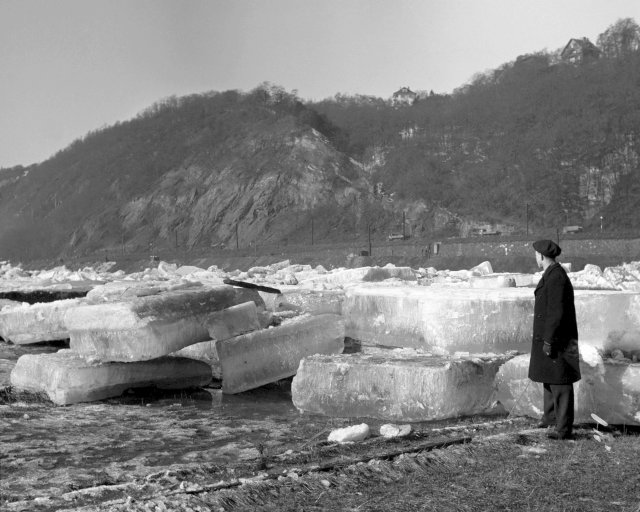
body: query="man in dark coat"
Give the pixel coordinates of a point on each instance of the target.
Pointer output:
(554, 349)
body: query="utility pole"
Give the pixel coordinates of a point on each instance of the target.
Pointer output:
(369, 229)
(403, 226)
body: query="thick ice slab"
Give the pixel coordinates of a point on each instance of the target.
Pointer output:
(25, 324)
(601, 314)
(222, 325)
(397, 385)
(147, 327)
(623, 277)
(6, 303)
(233, 321)
(260, 357)
(204, 351)
(608, 388)
(314, 302)
(34, 291)
(116, 291)
(475, 320)
(342, 277)
(6, 366)
(68, 378)
(626, 341)
(494, 281)
(452, 319)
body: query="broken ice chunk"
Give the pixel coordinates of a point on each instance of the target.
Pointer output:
(233, 321)
(68, 378)
(401, 384)
(24, 324)
(476, 320)
(260, 357)
(610, 389)
(350, 434)
(204, 351)
(147, 327)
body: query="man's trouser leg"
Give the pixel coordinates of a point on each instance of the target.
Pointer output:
(549, 416)
(564, 407)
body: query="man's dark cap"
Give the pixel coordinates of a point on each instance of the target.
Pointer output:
(547, 248)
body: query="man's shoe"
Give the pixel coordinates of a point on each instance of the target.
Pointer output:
(557, 436)
(544, 424)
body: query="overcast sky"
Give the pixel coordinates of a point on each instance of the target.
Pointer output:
(71, 66)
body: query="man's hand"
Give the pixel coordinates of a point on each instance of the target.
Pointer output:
(547, 349)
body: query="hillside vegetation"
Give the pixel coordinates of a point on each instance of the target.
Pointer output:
(563, 137)
(191, 172)
(543, 141)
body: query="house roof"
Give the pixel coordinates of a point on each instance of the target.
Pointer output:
(404, 91)
(583, 46)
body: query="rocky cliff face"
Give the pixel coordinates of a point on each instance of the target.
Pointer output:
(205, 201)
(259, 176)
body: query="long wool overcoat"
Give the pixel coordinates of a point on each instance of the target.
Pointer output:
(554, 321)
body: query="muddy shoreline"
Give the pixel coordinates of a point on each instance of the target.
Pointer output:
(149, 442)
(57, 458)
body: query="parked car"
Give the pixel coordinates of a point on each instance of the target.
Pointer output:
(397, 236)
(483, 232)
(567, 230)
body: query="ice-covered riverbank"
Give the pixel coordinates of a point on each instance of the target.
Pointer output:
(448, 326)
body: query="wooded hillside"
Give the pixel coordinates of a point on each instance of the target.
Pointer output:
(561, 136)
(545, 140)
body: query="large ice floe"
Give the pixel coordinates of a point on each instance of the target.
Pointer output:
(400, 384)
(474, 319)
(434, 344)
(24, 323)
(68, 378)
(609, 388)
(150, 326)
(54, 284)
(264, 356)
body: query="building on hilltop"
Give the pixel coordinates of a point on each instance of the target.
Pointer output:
(579, 50)
(403, 96)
